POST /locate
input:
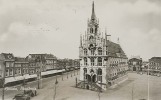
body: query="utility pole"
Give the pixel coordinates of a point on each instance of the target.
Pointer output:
(71, 73)
(76, 82)
(56, 82)
(67, 72)
(132, 91)
(74, 71)
(3, 81)
(39, 61)
(38, 80)
(62, 75)
(23, 81)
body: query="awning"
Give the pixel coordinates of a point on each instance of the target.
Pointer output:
(44, 73)
(53, 71)
(50, 72)
(9, 79)
(19, 78)
(33, 76)
(27, 76)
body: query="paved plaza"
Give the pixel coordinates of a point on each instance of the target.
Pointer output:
(135, 87)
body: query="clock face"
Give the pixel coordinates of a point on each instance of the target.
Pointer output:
(9, 57)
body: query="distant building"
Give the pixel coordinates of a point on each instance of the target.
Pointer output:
(8, 61)
(155, 65)
(102, 62)
(45, 61)
(135, 64)
(144, 66)
(15, 69)
(69, 64)
(21, 66)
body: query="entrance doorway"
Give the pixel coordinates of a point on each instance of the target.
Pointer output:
(134, 68)
(94, 78)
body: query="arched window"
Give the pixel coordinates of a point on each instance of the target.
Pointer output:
(99, 51)
(91, 30)
(91, 38)
(99, 61)
(85, 51)
(92, 61)
(85, 72)
(95, 30)
(92, 51)
(99, 74)
(85, 61)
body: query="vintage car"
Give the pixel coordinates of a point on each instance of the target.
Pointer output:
(30, 93)
(21, 97)
(25, 96)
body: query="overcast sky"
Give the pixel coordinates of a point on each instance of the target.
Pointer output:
(54, 26)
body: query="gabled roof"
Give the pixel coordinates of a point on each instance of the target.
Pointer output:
(40, 57)
(8, 56)
(155, 59)
(135, 59)
(20, 59)
(115, 50)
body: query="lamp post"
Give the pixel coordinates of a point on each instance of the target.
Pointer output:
(62, 75)
(38, 80)
(77, 70)
(67, 73)
(56, 82)
(71, 72)
(23, 80)
(3, 81)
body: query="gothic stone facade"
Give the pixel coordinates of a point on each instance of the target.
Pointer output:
(101, 61)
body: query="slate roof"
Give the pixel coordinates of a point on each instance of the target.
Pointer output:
(20, 59)
(115, 50)
(8, 56)
(156, 60)
(40, 57)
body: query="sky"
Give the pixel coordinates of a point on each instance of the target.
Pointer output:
(54, 26)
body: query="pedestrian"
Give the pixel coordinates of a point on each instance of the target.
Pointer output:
(35, 92)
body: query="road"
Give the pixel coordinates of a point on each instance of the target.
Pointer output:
(136, 86)
(45, 85)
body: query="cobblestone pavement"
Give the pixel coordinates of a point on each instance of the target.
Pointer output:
(136, 86)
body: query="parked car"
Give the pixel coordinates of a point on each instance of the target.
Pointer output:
(21, 97)
(30, 93)
(26, 95)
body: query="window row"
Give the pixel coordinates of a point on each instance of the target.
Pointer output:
(92, 51)
(99, 60)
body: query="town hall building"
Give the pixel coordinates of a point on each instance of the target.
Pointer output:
(103, 63)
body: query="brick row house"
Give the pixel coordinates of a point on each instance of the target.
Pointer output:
(135, 63)
(19, 68)
(155, 66)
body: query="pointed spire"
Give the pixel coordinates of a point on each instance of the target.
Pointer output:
(105, 36)
(80, 40)
(118, 41)
(93, 16)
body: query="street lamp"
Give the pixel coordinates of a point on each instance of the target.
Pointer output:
(3, 80)
(62, 75)
(38, 79)
(23, 80)
(56, 82)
